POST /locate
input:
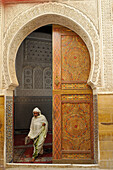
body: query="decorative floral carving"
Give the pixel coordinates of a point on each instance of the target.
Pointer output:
(49, 13)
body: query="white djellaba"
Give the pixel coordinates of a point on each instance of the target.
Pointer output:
(36, 126)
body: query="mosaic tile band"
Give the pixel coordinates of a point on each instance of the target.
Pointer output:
(9, 129)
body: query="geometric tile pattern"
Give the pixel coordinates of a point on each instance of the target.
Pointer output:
(9, 129)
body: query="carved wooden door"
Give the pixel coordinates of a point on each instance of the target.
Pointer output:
(72, 99)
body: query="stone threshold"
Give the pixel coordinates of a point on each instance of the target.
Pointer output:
(21, 165)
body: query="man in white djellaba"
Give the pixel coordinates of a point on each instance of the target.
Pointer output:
(38, 132)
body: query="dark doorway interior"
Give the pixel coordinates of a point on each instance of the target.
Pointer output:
(34, 73)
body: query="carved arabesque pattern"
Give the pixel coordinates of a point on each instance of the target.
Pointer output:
(58, 13)
(74, 51)
(37, 78)
(76, 126)
(35, 59)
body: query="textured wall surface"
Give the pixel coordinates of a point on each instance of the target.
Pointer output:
(105, 111)
(107, 45)
(88, 7)
(1, 37)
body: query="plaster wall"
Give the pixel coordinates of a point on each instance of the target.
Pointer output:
(106, 45)
(105, 114)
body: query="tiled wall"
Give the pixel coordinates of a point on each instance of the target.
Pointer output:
(105, 113)
(1, 131)
(9, 129)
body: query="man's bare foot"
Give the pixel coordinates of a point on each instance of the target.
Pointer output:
(33, 160)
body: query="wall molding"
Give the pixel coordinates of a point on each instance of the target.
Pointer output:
(43, 14)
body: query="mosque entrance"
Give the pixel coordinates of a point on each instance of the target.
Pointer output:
(53, 66)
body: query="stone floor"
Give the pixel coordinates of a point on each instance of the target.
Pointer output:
(51, 167)
(31, 168)
(15, 166)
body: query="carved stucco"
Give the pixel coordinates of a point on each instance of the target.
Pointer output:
(107, 47)
(43, 14)
(88, 7)
(13, 10)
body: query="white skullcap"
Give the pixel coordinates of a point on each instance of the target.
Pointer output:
(36, 109)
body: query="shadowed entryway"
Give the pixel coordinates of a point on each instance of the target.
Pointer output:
(34, 73)
(66, 101)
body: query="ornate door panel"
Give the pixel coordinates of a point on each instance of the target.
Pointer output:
(72, 99)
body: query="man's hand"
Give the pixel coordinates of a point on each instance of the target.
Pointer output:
(26, 140)
(43, 124)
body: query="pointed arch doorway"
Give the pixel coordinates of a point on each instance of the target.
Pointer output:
(72, 99)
